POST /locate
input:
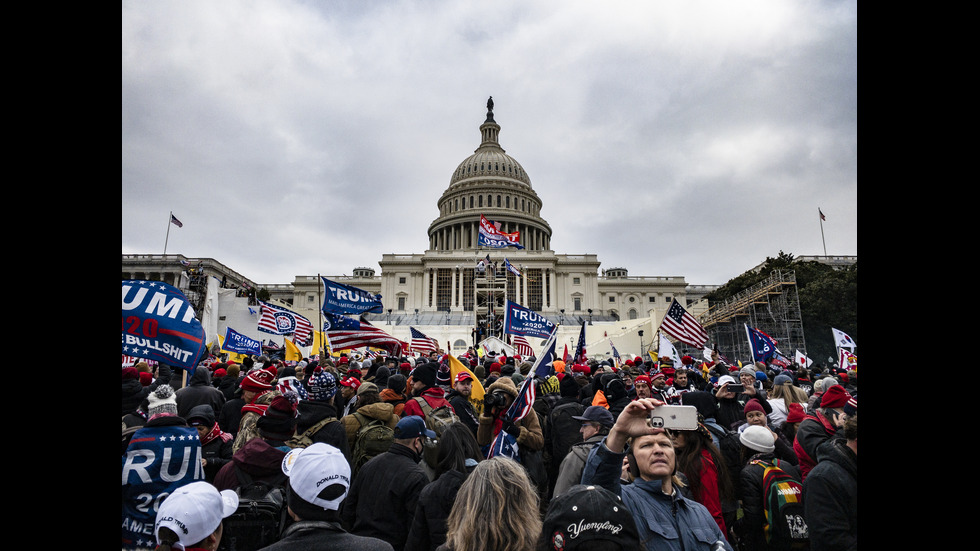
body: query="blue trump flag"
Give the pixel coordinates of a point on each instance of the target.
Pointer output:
(519, 320)
(236, 342)
(346, 299)
(762, 345)
(158, 323)
(333, 322)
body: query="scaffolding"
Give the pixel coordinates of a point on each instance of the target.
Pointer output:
(490, 291)
(771, 306)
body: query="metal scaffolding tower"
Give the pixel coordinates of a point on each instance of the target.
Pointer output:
(490, 291)
(771, 306)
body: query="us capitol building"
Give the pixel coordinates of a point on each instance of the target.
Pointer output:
(441, 292)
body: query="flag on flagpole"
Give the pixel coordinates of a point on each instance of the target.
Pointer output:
(510, 268)
(280, 321)
(615, 354)
(762, 346)
(822, 217)
(580, 347)
(542, 367)
(345, 333)
(421, 343)
(564, 357)
(847, 360)
(842, 340)
(174, 221)
(681, 325)
(477, 392)
(667, 350)
(802, 359)
(293, 353)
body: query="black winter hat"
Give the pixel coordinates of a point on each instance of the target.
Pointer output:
(426, 374)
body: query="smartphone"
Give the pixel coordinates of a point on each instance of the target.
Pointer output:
(674, 417)
(737, 388)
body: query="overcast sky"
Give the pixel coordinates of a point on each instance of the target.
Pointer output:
(684, 138)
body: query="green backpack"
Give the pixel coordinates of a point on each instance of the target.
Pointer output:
(305, 438)
(373, 439)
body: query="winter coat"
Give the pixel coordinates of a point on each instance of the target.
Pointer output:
(384, 495)
(665, 522)
(570, 471)
(434, 396)
(133, 391)
(199, 391)
(464, 410)
(230, 416)
(382, 411)
(814, 431)
(258, 458)
(531, 437)
(750, 492)
(395, 399)
(830, 499)
(312, 535)
(217, 451)
(430, 523)
(312, 412)
(247, 429)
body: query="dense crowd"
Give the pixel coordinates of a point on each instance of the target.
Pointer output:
(396, 453)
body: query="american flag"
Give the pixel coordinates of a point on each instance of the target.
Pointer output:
(421, 343)
(615, 354)
(505, 444)
(522, 347)
(280, 321)
(174, 221)
(681, 325)
(348, 333)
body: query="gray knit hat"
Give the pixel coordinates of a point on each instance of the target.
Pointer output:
(758, 438)
(162, 400)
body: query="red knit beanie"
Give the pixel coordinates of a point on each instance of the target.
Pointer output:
(834, 397)
(754, 405)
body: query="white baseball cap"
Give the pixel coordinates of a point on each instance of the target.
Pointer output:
(194, 511)
(313, 469)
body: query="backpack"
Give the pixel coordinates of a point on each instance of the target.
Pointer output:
(305, 438)
(261, 516)
(564, 430)
(373, 439)
(437, 420)
(782, 493)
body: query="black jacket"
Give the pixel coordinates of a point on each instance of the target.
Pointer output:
(312, 412)
(312, 535)
(384, 495)
(430, 523)
(830, 499)
(464, 410)
(133, 391)
(750, 487)
(199, 391)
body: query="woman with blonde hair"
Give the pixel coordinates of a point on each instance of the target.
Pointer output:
(496, 508)
(784, 393)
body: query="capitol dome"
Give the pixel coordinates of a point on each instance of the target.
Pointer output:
(493, 184)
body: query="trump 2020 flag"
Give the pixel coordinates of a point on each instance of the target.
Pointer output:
(842, 340)
(491, 236)
(158, 323)
(519, 320)
(241, 344)
(763, 346)
(347, 299)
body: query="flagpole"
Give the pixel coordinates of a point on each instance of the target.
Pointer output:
(170, 217)
(748, 337)
(820, 216)
(319, 313)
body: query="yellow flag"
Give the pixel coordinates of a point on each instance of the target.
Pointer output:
(320, 340)
(293, 353)
(653, 355)
(476, 395)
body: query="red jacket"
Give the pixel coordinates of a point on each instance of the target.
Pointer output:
(814, 430)
(434, 396)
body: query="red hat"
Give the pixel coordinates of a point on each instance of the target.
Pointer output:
(687, 360)
(463, 376)
(754, 405)
(352, 382)
(220, 372)
(795, 413)
(834, 397)
(129, 373)
(343, 360)
(667, 371)
(146, 378)
(657, 375)
(645, 379)
(495, 367)
(258, 379)
(629, 363)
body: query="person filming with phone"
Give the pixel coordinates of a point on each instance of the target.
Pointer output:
(665, 519)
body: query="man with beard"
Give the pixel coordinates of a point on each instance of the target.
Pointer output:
(424, 389)
(459, 398)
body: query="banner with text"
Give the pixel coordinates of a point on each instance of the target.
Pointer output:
(346, 299)
(491, 236)
(241, 344)
(519, 320)
(158, 323)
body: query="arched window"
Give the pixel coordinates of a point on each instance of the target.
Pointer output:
(508, 201)
(632, 314)
(480, 201)
(498, 201)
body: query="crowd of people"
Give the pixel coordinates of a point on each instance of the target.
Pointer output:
(394, 452)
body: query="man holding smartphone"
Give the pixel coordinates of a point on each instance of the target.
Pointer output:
(664, 517)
